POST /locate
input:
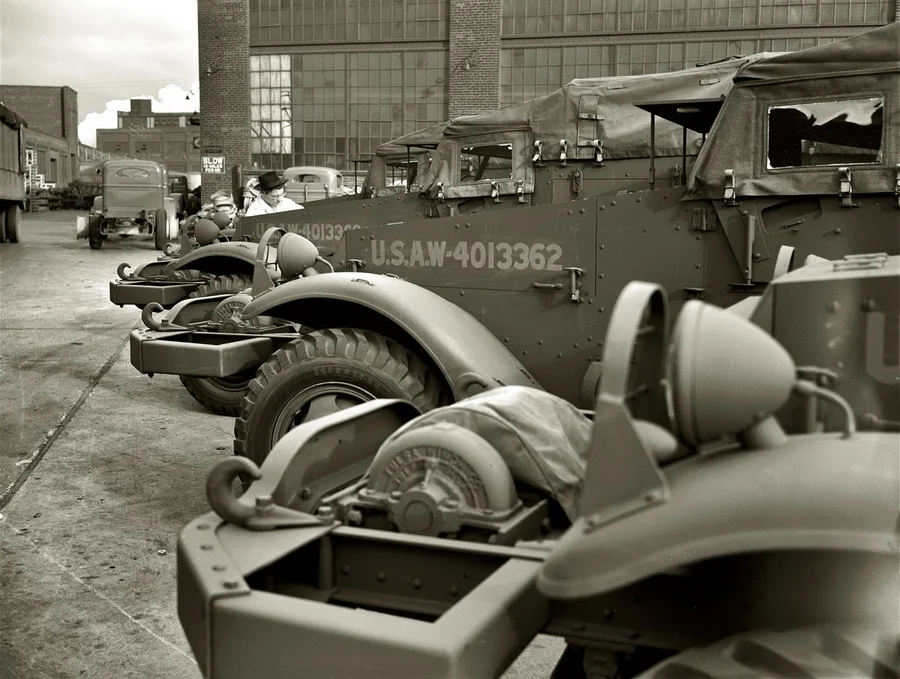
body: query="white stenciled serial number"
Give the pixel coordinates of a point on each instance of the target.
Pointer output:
(320, 232)
(465, 254)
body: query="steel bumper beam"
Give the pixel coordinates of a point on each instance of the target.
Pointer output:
(239, 630)
(200, 354)
(141, 293)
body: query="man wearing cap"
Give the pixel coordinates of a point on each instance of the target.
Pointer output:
(271, 196)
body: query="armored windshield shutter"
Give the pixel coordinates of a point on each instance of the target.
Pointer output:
(588, 125)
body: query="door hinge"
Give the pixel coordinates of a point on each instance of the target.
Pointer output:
(703, 219)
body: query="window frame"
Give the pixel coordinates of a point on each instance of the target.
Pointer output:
(767, 106)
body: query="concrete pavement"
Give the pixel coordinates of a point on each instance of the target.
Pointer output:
(100, 468)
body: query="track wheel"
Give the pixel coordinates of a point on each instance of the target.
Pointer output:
(325, 371)
(13, 219)
(2, 226)
(220, 395)
(95, 238)
(822, 652)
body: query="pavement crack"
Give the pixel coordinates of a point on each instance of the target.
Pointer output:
(31, 462)
(100, 595)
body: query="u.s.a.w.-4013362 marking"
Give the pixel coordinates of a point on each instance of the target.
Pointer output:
(467, 254)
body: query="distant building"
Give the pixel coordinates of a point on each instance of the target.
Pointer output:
(168, 138)
(52, 133)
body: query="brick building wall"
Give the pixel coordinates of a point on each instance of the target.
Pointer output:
(52, 116)
(474, 56)
(223, 28)
(164, 137)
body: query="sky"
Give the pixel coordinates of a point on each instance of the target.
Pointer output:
(109, 51)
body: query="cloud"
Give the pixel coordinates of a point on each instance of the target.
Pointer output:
(108, 51)
(169, 99)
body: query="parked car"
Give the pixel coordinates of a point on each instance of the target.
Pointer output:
(306, 184)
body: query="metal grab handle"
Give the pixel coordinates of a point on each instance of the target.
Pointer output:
(547, 286)
(574, 273)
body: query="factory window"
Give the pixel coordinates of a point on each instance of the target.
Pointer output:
(271, 128)
(843, 132)
(343, 106)
(327, 21)
(529, 72)
(536, 17)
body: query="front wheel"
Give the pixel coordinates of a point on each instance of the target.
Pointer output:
(95, 238)
(220, 395)
(323, 372)
(13, 219)
(159, 230)
(821, 652)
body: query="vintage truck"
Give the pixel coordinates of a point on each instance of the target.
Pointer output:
(134, 200)
(12, 174)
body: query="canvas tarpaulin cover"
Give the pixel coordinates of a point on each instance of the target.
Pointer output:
(542, 438)
(841, 83)
(623, 128)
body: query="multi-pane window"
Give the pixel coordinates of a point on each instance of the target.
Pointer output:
(538, 17)
(271, 131)
(301, 22)
(342, 106)
(529, 72)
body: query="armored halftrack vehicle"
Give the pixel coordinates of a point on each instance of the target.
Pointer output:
(718, 512)
(436, 310)
(610, 150)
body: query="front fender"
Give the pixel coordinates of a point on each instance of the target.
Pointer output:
(815, 492)
(467, 354)
(221, 258)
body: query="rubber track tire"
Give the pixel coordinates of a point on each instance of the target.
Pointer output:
(13, 220)
(2, 226)
(380, 365)
(160, 226)
(219, 396)
(95, 239)
(821, 652)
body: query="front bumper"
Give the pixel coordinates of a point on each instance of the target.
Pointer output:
(141, 293)
(201, 354)
(480, 613)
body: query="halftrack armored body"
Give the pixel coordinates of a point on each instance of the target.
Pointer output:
(719, 511)
(435, 310)
(610, 150)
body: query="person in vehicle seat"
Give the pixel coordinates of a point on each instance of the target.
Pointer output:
(251, 191)
(223, 202)
(271, 196)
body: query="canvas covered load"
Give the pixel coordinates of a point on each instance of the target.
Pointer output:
(607, 106)
(589, 119)
(798, 123)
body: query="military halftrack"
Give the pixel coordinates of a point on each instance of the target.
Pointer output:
(718, 512)
(611, 151)
(438, 309)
